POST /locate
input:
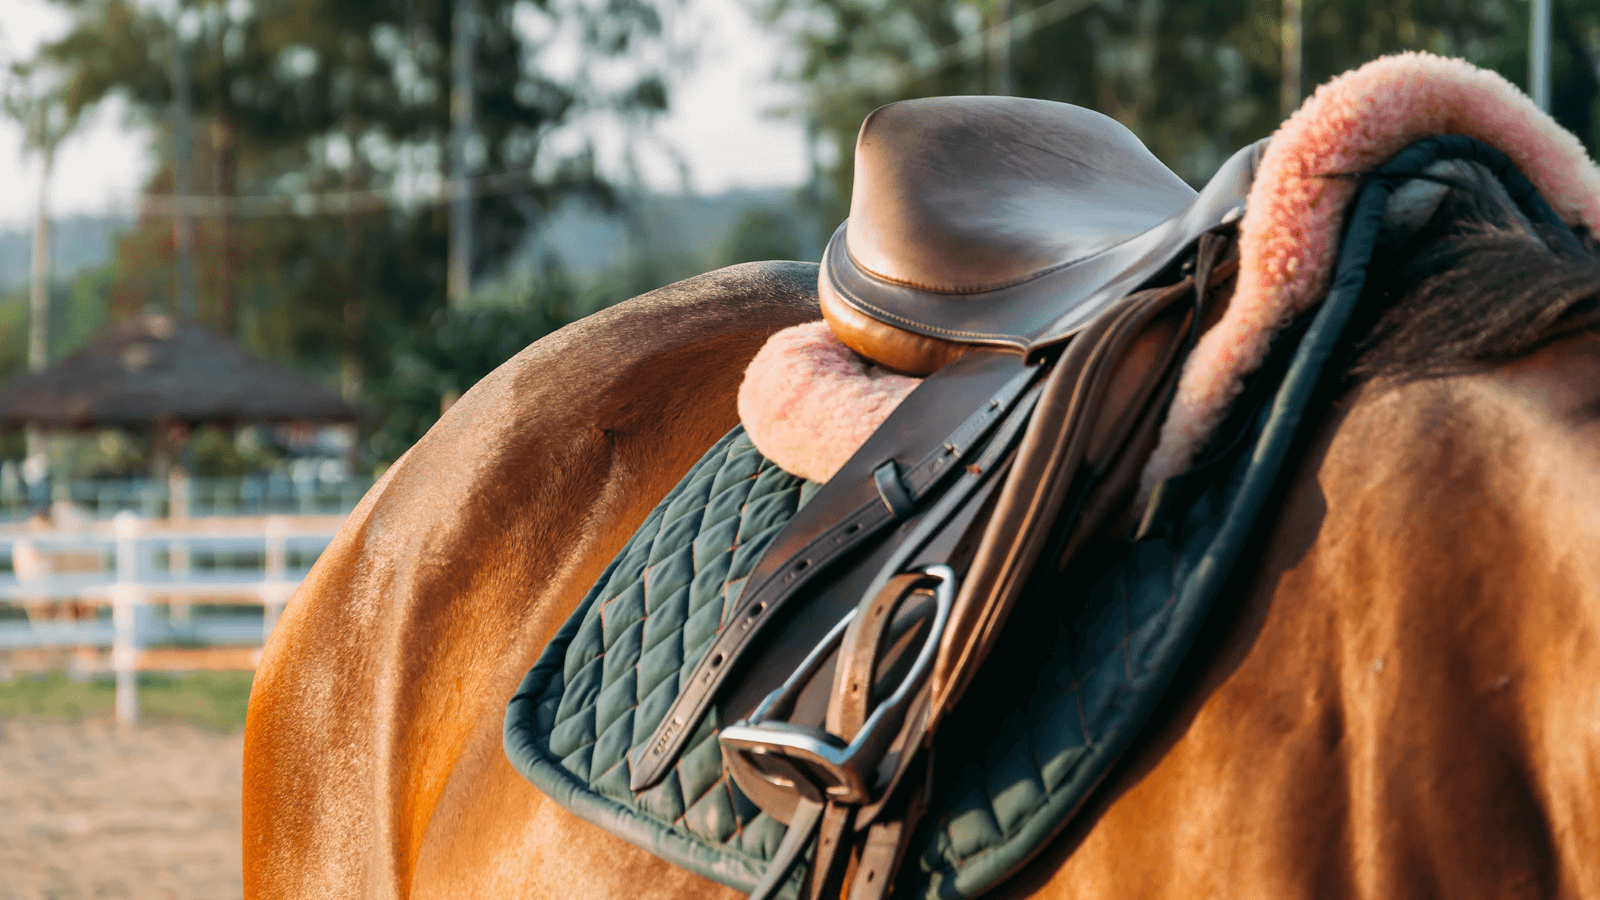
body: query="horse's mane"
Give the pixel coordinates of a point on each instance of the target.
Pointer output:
(1477, 286)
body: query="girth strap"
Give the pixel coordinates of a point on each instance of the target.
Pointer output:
(1111, 386)
(792, 849)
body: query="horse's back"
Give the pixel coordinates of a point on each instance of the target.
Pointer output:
(379, 699)
(1363, 719)
(1386, 707)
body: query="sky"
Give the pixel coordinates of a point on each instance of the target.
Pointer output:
(719, 123)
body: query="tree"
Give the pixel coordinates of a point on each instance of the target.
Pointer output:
(340, 111)
(45, 107)
(1195, 80)
(35, 97)
(1574, 62)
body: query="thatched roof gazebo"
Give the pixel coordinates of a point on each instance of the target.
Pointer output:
(158, 371)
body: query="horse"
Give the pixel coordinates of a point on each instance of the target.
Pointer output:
(1399, 695)
(1404, 702)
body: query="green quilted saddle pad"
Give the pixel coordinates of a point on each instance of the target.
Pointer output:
(1083, 686)
(1081, 666)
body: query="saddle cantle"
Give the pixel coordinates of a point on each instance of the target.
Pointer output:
(1003, 222)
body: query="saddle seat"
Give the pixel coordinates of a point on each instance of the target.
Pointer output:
(1004, 222)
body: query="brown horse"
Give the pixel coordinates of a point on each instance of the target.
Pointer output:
(1401, 699)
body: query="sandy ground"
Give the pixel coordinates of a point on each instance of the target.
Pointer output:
(88, 809)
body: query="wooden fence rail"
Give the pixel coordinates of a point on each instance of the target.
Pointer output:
(150, 563)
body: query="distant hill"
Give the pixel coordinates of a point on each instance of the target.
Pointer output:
(588, 242)
(77, 243)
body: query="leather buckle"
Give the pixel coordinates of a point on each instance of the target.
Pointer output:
(814, 763)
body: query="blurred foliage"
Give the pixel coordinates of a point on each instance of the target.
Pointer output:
(1195, 80)
(106, 453)
(316, 96)
(432, 367)
(763, 234)
(78, 309)
(214, 451)
(1574, 62)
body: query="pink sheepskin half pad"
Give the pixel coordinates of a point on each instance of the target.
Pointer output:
(1288, 236)
(809, 402)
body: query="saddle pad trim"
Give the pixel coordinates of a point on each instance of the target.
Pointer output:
(745, 495)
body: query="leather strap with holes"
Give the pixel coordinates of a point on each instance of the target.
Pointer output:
(822, 540)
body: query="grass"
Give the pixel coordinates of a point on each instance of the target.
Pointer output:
(212, 700)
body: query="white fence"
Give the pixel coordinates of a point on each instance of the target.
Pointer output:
(305, 492)
(145, 565)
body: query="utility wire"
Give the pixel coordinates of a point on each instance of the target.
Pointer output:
(321, 203)
(308, 203)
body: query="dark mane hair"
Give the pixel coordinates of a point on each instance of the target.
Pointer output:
(1477, 286)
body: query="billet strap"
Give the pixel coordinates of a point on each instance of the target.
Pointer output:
(825, 878)
(885, 841)
(861, 645)
(788, 572)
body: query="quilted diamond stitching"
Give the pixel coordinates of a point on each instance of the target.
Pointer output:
(653, 614)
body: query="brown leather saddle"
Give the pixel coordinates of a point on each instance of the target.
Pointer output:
(1047, 274)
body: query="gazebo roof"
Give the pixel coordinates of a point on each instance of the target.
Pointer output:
(154, 369)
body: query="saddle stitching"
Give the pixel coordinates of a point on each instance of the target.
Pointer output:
(690, 804)
(983, 288)
(918, 327)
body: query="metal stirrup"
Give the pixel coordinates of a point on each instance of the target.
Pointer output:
(814, 763)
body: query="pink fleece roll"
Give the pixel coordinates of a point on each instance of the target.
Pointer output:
(1288, 239)
(809, 402)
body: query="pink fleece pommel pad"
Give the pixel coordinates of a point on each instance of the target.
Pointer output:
(808, 402)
